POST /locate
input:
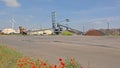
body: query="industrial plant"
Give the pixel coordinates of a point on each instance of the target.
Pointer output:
(57, 29)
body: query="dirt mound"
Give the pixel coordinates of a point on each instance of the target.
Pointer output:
(94, 33)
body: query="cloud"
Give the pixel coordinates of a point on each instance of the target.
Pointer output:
(11, 3)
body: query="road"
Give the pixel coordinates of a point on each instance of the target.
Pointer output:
(90, 51)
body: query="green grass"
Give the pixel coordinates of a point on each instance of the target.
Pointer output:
(8, 57)
(72, 63)
(66, 33)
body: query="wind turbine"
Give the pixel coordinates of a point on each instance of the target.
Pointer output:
(12, 23)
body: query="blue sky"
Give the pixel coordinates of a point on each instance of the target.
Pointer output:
(35, 14)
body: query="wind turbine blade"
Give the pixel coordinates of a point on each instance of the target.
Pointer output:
(13, 20)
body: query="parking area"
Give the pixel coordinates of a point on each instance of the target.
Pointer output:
(90, 51)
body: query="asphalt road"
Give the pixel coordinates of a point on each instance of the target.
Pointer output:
(92, 52)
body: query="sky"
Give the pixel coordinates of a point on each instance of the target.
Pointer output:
(36, 14)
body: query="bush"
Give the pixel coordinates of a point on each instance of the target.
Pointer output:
(66, 33)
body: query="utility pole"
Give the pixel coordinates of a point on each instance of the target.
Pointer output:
(83, 29)
(108, 28)
(108, 25)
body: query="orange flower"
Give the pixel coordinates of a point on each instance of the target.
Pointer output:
(73, 61)
(31, 63)
(63, 66)
(62, 63)
(44, 64)
(50, 66)
(18, 61)
(21, 65)
(60, 59)
(32, 66)
(81, 67)
(55, 66)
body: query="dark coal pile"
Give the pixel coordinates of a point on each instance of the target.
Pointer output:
(94, 33)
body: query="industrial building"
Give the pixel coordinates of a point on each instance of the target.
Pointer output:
(8, 31)
(40, 32)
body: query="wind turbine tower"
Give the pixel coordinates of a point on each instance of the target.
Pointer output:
(12, 23)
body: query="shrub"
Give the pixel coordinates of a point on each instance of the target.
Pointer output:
(66, 33)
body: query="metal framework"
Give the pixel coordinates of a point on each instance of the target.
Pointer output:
(57, 27)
